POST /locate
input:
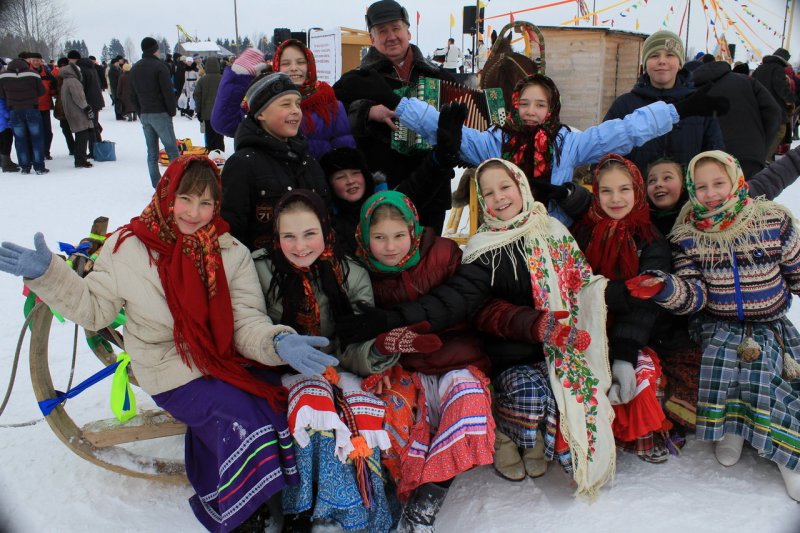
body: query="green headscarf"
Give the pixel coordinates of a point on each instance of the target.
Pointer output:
(409, 212)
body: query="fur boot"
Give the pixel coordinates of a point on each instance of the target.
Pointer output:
(729, 449)
(507, 460)
(420, 512)
(533, 458)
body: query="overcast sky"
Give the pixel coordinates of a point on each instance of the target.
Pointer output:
(97, 22)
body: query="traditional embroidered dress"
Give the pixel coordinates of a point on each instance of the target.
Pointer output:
(561, 280)
(440, 425)
(737, 267)
(337, 427)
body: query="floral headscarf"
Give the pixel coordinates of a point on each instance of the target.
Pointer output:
(722, 217)
(534, 148)
(193, 278)
(406, 207)
(317, 96)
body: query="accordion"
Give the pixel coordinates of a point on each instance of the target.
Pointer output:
(485, 108)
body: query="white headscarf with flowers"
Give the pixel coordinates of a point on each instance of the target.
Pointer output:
(561, 280)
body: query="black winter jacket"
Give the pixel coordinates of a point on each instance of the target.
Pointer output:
(20, 86)
(750, 126)
(373, 138)
(152, 88)
(91, 84)
(772, 76)
(687, 138)
(255, 177)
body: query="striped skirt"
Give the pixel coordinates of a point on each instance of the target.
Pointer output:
(753, 399)
(524, 406)
(238, 451)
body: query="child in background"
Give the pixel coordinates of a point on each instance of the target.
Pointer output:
(620, 242)
(270, 159)
(439, 414)
(338, 428)
(325, 124)
(534, 137)
(736, 266)
(187, 289)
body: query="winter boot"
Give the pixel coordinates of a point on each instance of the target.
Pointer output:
(420, 512)
(729, 449)
(7, 164)
(297, 523)
(507, 461)
(533, 458)
(792, 480)
(257, 521)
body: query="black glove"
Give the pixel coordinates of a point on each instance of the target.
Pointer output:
(365, 85)
(700, 104)
(358, 328)
(448, 135)
(544, 191)
(89, 112)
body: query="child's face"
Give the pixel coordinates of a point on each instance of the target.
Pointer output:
(712, 184)
(192, 211)
(500, 193)
(615, 193)
(664, 185)
(389, 241)
(294, 64)
(281, 118)
(348, 184)
(662, 67)
(300, 237)
(533, 105)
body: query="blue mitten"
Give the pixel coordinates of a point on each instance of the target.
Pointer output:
(300, 352)
(21, 261)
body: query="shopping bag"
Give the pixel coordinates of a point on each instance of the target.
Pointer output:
(105, 151)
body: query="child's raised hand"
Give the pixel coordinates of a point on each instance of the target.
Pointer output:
(300, 352)
(251, 62)
(644, 286)
(701, 104)
(408, 339)
(21, 261)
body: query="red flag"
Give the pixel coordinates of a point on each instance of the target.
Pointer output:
(417, 18)
(512, 17)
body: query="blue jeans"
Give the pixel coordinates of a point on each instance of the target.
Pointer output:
(27, 126)
(158, 126)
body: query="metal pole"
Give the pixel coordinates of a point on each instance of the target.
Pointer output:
(688, 16)
(236, 24)
(785, 18)
(477, 31)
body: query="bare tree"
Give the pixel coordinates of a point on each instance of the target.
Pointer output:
(36, 22)
(130, 50)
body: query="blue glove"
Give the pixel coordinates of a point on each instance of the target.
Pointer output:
(299, 352)
(21, 261)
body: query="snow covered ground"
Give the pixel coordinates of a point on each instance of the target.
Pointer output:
(46, 487)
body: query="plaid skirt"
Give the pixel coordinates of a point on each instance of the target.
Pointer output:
(238, 450)
(524, 405)
(749, 398)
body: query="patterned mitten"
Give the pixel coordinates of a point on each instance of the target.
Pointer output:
(549, 330)
(250, 62)
(408, 339)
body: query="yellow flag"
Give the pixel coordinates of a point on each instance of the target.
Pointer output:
(637, 23)
(481, 4)
(452, 21)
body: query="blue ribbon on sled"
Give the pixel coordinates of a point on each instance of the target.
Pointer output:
(82, 248)
(46, 406)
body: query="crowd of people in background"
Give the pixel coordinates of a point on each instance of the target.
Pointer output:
(331, 352)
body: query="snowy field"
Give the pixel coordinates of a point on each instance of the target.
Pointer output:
(46, 487)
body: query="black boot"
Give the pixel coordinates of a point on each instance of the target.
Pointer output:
(7, 164)
(420, 512)
(297, 523)
(257, 523)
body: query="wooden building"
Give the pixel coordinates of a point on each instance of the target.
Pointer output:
(591, 66)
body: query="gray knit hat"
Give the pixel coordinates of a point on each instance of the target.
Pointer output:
(263, 90)
(663, 40)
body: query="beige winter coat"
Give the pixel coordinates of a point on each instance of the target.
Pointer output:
(73, 99)
(126, 278)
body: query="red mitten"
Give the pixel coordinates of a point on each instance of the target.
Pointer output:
(645, 286)
(408, 339)
(549, 330)
(250, 62)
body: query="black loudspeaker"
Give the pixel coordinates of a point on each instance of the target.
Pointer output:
(468, 19)
(300, 36)
(281, 34)
(732, 50)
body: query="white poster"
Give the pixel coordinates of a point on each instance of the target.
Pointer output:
(327, 49)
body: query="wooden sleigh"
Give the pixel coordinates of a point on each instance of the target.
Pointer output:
(101, 441)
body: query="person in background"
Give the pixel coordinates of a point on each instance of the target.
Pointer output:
(77, 111)
(452, 57)
(36, 62)
(6, 134)
(125, 94)
(205, 94)
(771, 74)
(114, 72)
(58, 108)
(21, 88)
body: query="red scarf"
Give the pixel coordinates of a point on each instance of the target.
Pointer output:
(193, 277)
(612, 246)
(318, 96)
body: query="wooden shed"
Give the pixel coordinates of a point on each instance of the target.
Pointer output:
(591, 66)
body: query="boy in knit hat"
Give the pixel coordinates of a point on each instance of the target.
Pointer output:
(665, 79)
(270, 159)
